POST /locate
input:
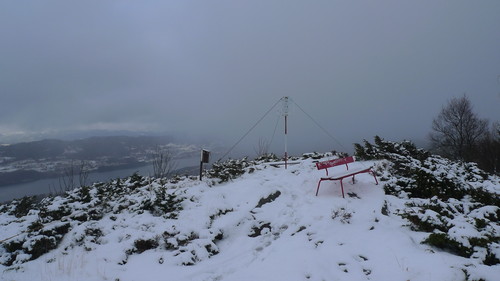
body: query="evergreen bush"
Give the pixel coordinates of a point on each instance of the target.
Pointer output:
(440, 190)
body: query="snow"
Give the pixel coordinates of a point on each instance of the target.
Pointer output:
(301, 236)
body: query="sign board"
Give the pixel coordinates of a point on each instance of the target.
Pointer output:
(205, 156)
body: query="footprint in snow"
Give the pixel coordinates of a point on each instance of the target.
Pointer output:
(343, 267)
(353, 195)
(361, 258)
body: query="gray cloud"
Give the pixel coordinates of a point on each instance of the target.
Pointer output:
(213, 68)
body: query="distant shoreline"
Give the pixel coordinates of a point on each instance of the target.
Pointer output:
(27, 176)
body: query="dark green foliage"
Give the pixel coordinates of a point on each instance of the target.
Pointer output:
(36, 247)
(80, 217)
(480, 242)
(484, 197)
(441, 190)
(427, 185)
(444, 242)
(41, 246)
(220, 213)
(467, 276)
(142, 245)
(170, 242)
(313, 155)
(92, 214)
(412, 168)
(180, 243)
(425, 225)
(370, 152)
(491, 259)
(211, 249)
(58, 230)
(480, 223)
(442, 220)
(385, 209)
(359, 152)
(136, 180)
(35, 226)
(186, 240)
(91, 235)
(219, 236)
(23, 206)
(94, 232)
(163, 204)
(38, 242)
(383, 149)
(85, 204)
(268, 199)
(85, 194)
(267, 157)
(342, 215)
(13, 246)
(51, 215)
(257, 229)
(229, 169)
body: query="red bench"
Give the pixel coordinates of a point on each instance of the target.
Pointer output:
(348, 173)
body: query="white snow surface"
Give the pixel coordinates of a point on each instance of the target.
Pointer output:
(302, 237)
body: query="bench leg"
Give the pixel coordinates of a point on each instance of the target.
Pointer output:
(317, 190)
(342, 187)
(375, 177)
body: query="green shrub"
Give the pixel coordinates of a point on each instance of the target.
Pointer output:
(41, 245)
(142, 245)
(257, 229)
(51, 215)
(268, 199)
(267, 157)
(444, 242)
(13, 246)
(136, 180)
(229, 169)
(23, 206)
(424, 225)
(491, 259)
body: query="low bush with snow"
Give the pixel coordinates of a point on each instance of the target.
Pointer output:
(456, 202)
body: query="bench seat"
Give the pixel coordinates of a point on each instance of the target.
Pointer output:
(342, 175)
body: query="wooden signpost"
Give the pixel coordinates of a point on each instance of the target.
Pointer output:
(205, 158)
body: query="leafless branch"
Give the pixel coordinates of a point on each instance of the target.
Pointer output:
(262, 147)
(163, 162)
(457, 129)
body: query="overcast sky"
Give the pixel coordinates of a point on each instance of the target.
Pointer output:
(213, 68)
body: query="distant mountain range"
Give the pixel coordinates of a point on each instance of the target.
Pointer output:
(89, 148)
(28, 161)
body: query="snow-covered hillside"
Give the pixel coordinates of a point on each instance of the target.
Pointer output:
(257, 221)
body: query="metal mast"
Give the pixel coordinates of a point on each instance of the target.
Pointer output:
(285, 114)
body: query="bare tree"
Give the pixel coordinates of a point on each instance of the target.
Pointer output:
(262, 148)
(163, 162)
(457, 130)
(83, 173)
(489, 150)
(67, 181)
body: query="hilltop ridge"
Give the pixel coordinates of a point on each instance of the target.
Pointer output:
(428, 219)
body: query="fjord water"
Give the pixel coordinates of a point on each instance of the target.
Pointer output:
(53, 185)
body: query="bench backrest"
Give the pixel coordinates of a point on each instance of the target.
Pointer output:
(335, 162)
